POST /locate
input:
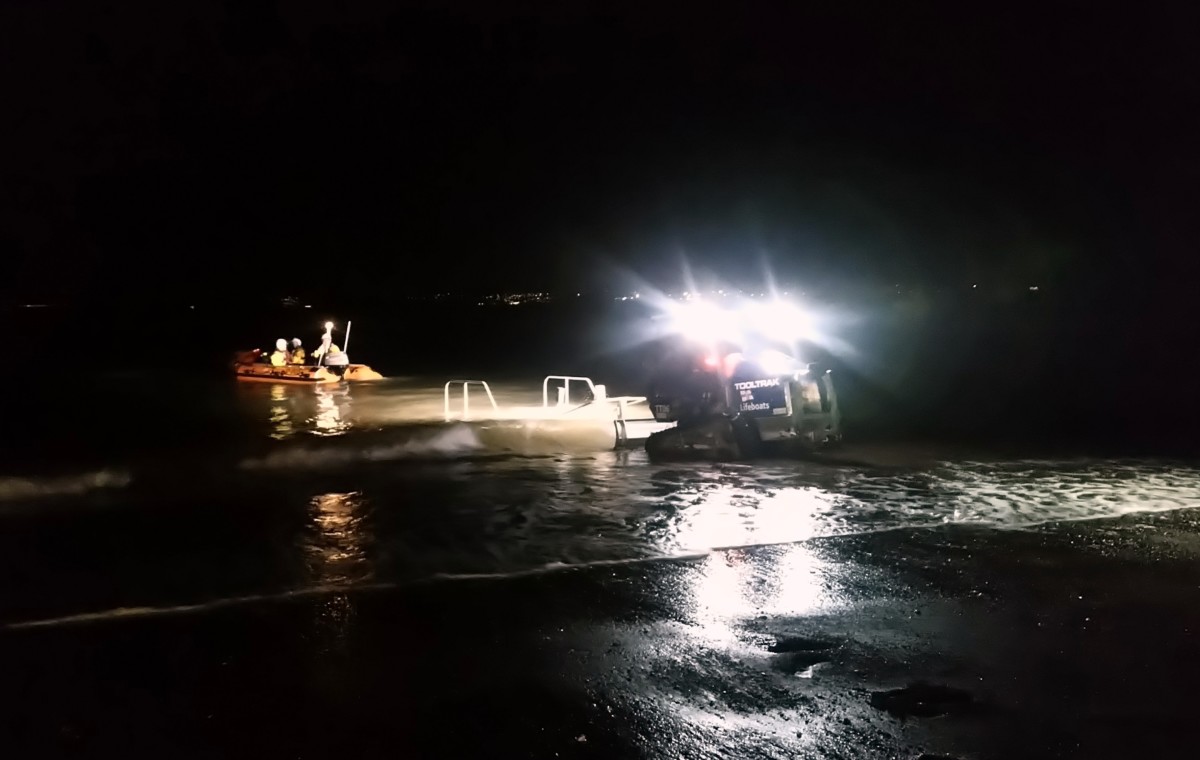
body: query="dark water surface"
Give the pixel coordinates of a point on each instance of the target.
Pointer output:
(139, 495)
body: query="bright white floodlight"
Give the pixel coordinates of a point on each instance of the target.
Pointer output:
(776, 363)
(779, 320)
(702, 321)
(706, 322)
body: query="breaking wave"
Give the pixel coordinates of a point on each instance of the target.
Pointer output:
(485, 514)
(24, 489)
(447, 442)
(731, 506)
(474, 439)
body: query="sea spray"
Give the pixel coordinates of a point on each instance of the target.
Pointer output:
(447, 442)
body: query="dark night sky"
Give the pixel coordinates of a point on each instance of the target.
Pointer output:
(173, 148)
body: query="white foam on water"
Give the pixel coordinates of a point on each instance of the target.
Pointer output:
(715, 508)
(451, 441)
(24, 489)
(595, 512)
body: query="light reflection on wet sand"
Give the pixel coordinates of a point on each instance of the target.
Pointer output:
(337, 560)
(727, 588)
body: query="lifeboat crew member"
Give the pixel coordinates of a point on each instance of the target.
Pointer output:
(280, 356)
(298, 355)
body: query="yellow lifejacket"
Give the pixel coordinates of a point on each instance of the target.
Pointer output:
(298, 356)
(278, 359)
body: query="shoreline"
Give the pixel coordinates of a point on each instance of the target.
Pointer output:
(1001, 644)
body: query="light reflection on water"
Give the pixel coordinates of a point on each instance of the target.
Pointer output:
(512, 516)
(336, 409)
(317, 410)
(338, 544)
(280, 415)
(732, 517)
(516, 515)
(397, 503)
(332, 407)
(337, 560)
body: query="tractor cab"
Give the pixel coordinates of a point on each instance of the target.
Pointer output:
(748, 393)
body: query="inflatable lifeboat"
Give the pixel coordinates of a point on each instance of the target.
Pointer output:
(248, 366)
(355, 373)
(332, 365)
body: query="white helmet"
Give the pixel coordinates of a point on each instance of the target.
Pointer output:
(281, 345)
(296, 343)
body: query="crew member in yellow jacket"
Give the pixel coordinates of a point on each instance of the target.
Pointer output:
(279, 358)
